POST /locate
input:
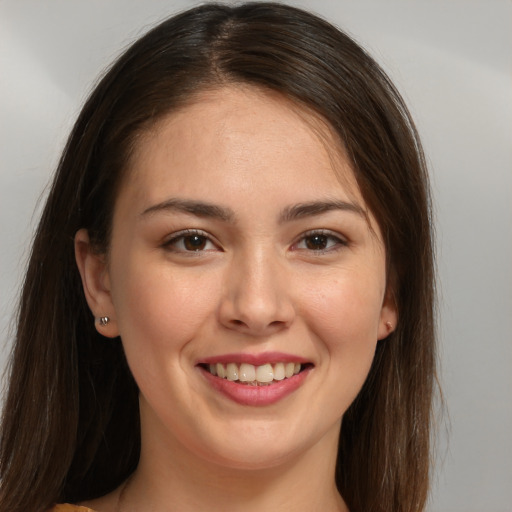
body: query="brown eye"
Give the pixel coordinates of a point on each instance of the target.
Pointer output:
(317, 242)
(320, 241)
(194, 242)
(189, 241)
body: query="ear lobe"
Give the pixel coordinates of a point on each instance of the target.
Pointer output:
(96, 284)
(388, 316)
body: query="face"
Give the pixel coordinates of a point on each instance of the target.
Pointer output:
(246, 280)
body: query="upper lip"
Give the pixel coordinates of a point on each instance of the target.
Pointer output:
(255, 359)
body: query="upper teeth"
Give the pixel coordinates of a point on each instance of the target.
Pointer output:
(249, 373)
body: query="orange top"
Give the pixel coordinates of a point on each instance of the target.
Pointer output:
(66, 507)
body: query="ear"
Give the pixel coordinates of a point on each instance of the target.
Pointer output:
(96, 283)
(388, 315)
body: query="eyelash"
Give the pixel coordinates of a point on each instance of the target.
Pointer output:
(182, 236)
(205, 238)
(339, 242)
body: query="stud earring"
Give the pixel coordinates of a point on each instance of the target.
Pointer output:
(103, 320)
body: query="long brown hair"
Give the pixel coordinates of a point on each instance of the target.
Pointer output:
(70, 424)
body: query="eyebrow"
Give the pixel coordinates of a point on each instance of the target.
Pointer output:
(302, 210)
(290, 213)
(197, 208)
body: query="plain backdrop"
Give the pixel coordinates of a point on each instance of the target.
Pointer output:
(452, 62)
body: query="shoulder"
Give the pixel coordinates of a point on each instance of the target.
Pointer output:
(66, 507)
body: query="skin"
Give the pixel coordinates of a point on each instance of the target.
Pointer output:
(260, 282)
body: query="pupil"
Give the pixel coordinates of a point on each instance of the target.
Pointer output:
(316, 242)
(195, 242)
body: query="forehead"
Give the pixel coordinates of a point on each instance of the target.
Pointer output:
(238, 136)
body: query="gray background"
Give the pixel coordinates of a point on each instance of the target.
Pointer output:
(451, 60)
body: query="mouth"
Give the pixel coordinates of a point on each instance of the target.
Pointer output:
(253, 375)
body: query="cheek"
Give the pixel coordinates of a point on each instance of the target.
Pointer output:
(159, 309)
(347, 309)
(344, 317)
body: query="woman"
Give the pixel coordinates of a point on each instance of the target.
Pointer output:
(243, 208)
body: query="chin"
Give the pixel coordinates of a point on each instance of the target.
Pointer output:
(253, 458)
(266, 447)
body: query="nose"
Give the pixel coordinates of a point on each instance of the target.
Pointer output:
(257, 297)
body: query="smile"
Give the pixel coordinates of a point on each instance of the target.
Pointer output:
(255, 380)
(252, 375)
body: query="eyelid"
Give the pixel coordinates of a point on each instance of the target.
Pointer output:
(183, 233)
(341, 240)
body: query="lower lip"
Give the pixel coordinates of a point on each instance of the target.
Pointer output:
(256, 395)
